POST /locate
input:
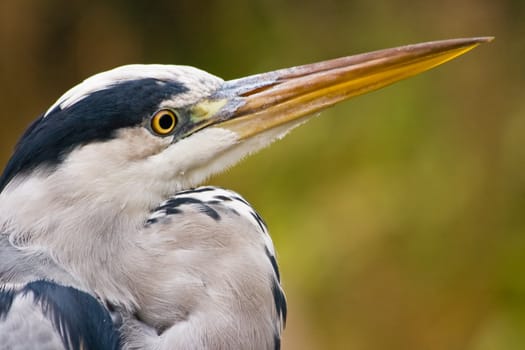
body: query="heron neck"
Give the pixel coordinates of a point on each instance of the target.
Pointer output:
(42, 223)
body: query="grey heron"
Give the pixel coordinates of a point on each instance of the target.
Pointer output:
(105, 240)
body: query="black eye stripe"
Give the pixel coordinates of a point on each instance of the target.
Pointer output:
(96, 117)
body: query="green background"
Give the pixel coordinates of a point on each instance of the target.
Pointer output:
(397, 216)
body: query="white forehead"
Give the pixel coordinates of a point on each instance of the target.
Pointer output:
(197, 81)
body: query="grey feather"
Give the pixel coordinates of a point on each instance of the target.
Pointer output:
(26, 327)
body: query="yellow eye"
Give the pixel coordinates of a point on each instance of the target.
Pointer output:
(163, 122)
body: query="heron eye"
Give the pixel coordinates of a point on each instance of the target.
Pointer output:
(163, 122)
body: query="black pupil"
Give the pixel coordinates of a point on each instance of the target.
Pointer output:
(166, 121)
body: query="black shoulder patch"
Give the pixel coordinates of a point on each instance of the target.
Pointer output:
(80, 320)
(212, 213)
(259, 221)
(172, 206)
(280, 301)
(273, 261)
(6, 300)
(277, 342)
(95, 117)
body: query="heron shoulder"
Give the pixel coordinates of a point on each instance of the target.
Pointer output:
(211, 240)
(208, 198)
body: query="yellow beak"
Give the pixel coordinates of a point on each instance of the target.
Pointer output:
(251, 105)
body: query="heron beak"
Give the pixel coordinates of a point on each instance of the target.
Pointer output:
(251, 105)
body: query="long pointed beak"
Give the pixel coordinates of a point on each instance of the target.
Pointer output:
(264, 101)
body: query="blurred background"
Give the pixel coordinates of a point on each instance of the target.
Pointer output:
(398, 216)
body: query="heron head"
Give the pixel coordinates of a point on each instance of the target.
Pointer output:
(139, 132)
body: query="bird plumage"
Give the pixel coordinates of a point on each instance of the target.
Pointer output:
(100, 214)
(204, 295)
(45, 315)
(90, 170)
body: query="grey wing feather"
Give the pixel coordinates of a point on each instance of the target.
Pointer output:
(26, 327)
